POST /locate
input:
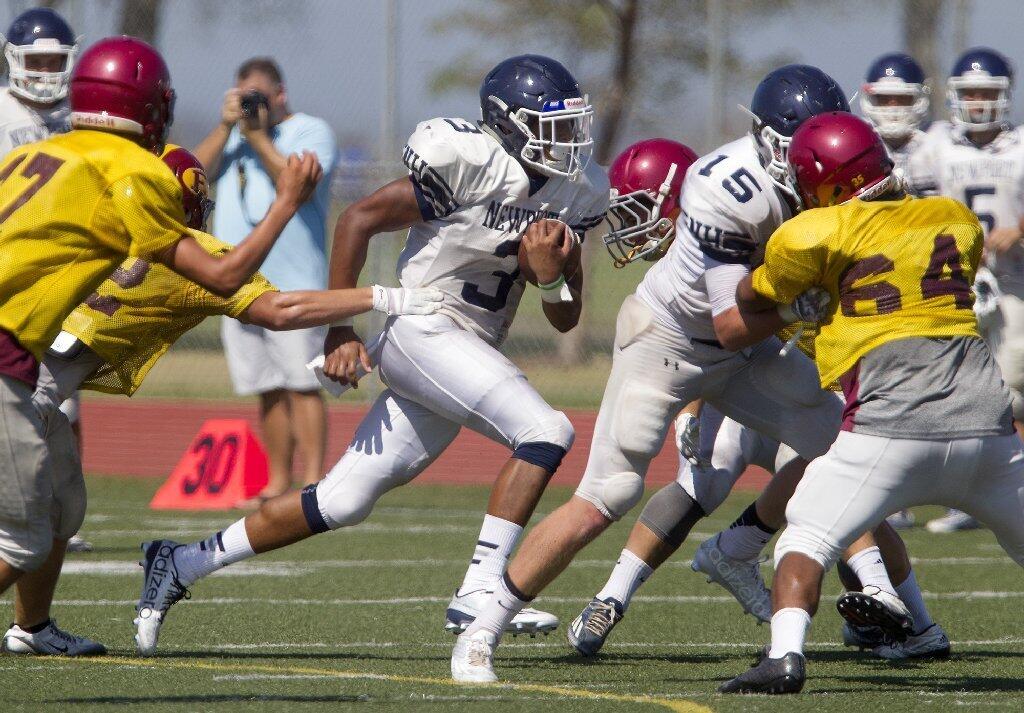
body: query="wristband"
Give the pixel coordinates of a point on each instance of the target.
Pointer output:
(555, 292)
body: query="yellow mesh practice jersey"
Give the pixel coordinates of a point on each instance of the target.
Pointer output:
(894, 269)
(135, 316)
(72, 208)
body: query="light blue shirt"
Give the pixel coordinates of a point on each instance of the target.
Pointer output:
(298, 261)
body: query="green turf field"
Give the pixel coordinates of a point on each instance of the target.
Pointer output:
(353, 621)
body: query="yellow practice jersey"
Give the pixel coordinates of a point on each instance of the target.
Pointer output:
(135, 316)
(72, 208)
(894, 269)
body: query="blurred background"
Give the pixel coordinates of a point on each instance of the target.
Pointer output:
(675, 68)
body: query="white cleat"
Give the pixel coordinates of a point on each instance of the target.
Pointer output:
(77, 543)
(464, 608)
(740, 578)
(952, 521)
(473, 658)
(51, 641)
(161, 588)
(932, 643)
(876, 607)
(901, 520)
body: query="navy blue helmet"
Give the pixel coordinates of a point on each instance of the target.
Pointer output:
(40, 49)
(533, 106)
(894, 97)
(784, 99)
(979, 90)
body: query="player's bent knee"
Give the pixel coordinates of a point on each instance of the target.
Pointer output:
(543, 455)
(800, 541)
(552, 428)
(325, 510)
(619, 493)
(708, 486)
(671, 513)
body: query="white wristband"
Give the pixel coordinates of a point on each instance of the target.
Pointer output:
(556, 292)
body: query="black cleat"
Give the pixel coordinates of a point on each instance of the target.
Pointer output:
(772, 676)
(873, 607)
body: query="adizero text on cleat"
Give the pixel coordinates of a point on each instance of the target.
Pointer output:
(161, 588)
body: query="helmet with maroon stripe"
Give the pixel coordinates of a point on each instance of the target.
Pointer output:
(646, 180)
(122, 85)
(837, 156)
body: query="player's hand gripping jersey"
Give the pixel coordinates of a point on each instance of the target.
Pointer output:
(476, 200)
(988, 179)
(71, 208)
(894, 269)
(729, 209)
(135, 316)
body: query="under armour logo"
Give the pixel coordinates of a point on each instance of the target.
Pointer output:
(672, 363)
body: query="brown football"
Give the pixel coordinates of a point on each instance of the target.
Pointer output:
(571, 265)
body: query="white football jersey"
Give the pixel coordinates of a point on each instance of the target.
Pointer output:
(988, 179)
(901, 156)
(21, 124)
(476, 201)
(730, 208)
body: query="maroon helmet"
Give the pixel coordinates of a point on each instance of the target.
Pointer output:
(195, 188)
(122, 84)
(645, 180)
(838, 156)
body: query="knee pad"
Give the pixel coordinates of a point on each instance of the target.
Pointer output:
(543, 455)
(553, 428)
(619, 493)
(69, 496)
(671, 513)
(795, 539)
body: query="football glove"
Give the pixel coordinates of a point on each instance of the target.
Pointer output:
(810, 306)
(986, 297)
(401, 300)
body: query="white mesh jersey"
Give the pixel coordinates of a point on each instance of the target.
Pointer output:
(988, 179)
(21, 124)
(476, 201)
(730, 208)
(901, 155)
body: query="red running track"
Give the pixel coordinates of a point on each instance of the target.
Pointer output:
(146, 439)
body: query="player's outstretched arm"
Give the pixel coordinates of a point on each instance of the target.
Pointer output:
(390, 208)
(225, 274)
(550, 247)
(311, 308)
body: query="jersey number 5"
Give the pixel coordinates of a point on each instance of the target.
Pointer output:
(42, 166)
(886, 295)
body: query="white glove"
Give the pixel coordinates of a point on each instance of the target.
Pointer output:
(401, 300)
(810, 306)
(986, 297)
(688, 438)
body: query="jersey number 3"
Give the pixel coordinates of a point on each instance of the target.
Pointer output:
(886, 295)
(42, 166)
(492, 303)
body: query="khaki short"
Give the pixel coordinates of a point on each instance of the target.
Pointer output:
(26, 488)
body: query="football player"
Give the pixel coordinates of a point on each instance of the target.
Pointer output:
(478, 195)
(74, 206)
(927, 418)
(978, 159)
(40, 49)
(676, 341)
(112, 340)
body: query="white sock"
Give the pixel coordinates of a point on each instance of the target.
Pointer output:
(910, 593)
(629, 573)
(497, 540)
(500, 609)
(218, 550)
(789, 630)
(870, 569)
(746, 536)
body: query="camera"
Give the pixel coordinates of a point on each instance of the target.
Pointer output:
(251, 102)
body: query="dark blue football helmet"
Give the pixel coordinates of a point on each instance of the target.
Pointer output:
(980, 70)
(784, 99)
(894, 96)
(40, 49)
(533, 106)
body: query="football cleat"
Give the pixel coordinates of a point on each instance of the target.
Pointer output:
(862, 637)
(932, 643)
(51, 641)
(465, 607)
(874, 607)
(161, 588)
(742, 579)
(588, 631)
(473, 656)
(953, 521)
(773, 676)
(902, 520)
(77, 543)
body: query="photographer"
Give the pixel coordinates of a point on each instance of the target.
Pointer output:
(244, 154)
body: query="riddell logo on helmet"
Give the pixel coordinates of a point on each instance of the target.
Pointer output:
(102, 120)
(574, 103)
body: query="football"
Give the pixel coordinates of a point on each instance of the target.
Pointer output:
(572, 264)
